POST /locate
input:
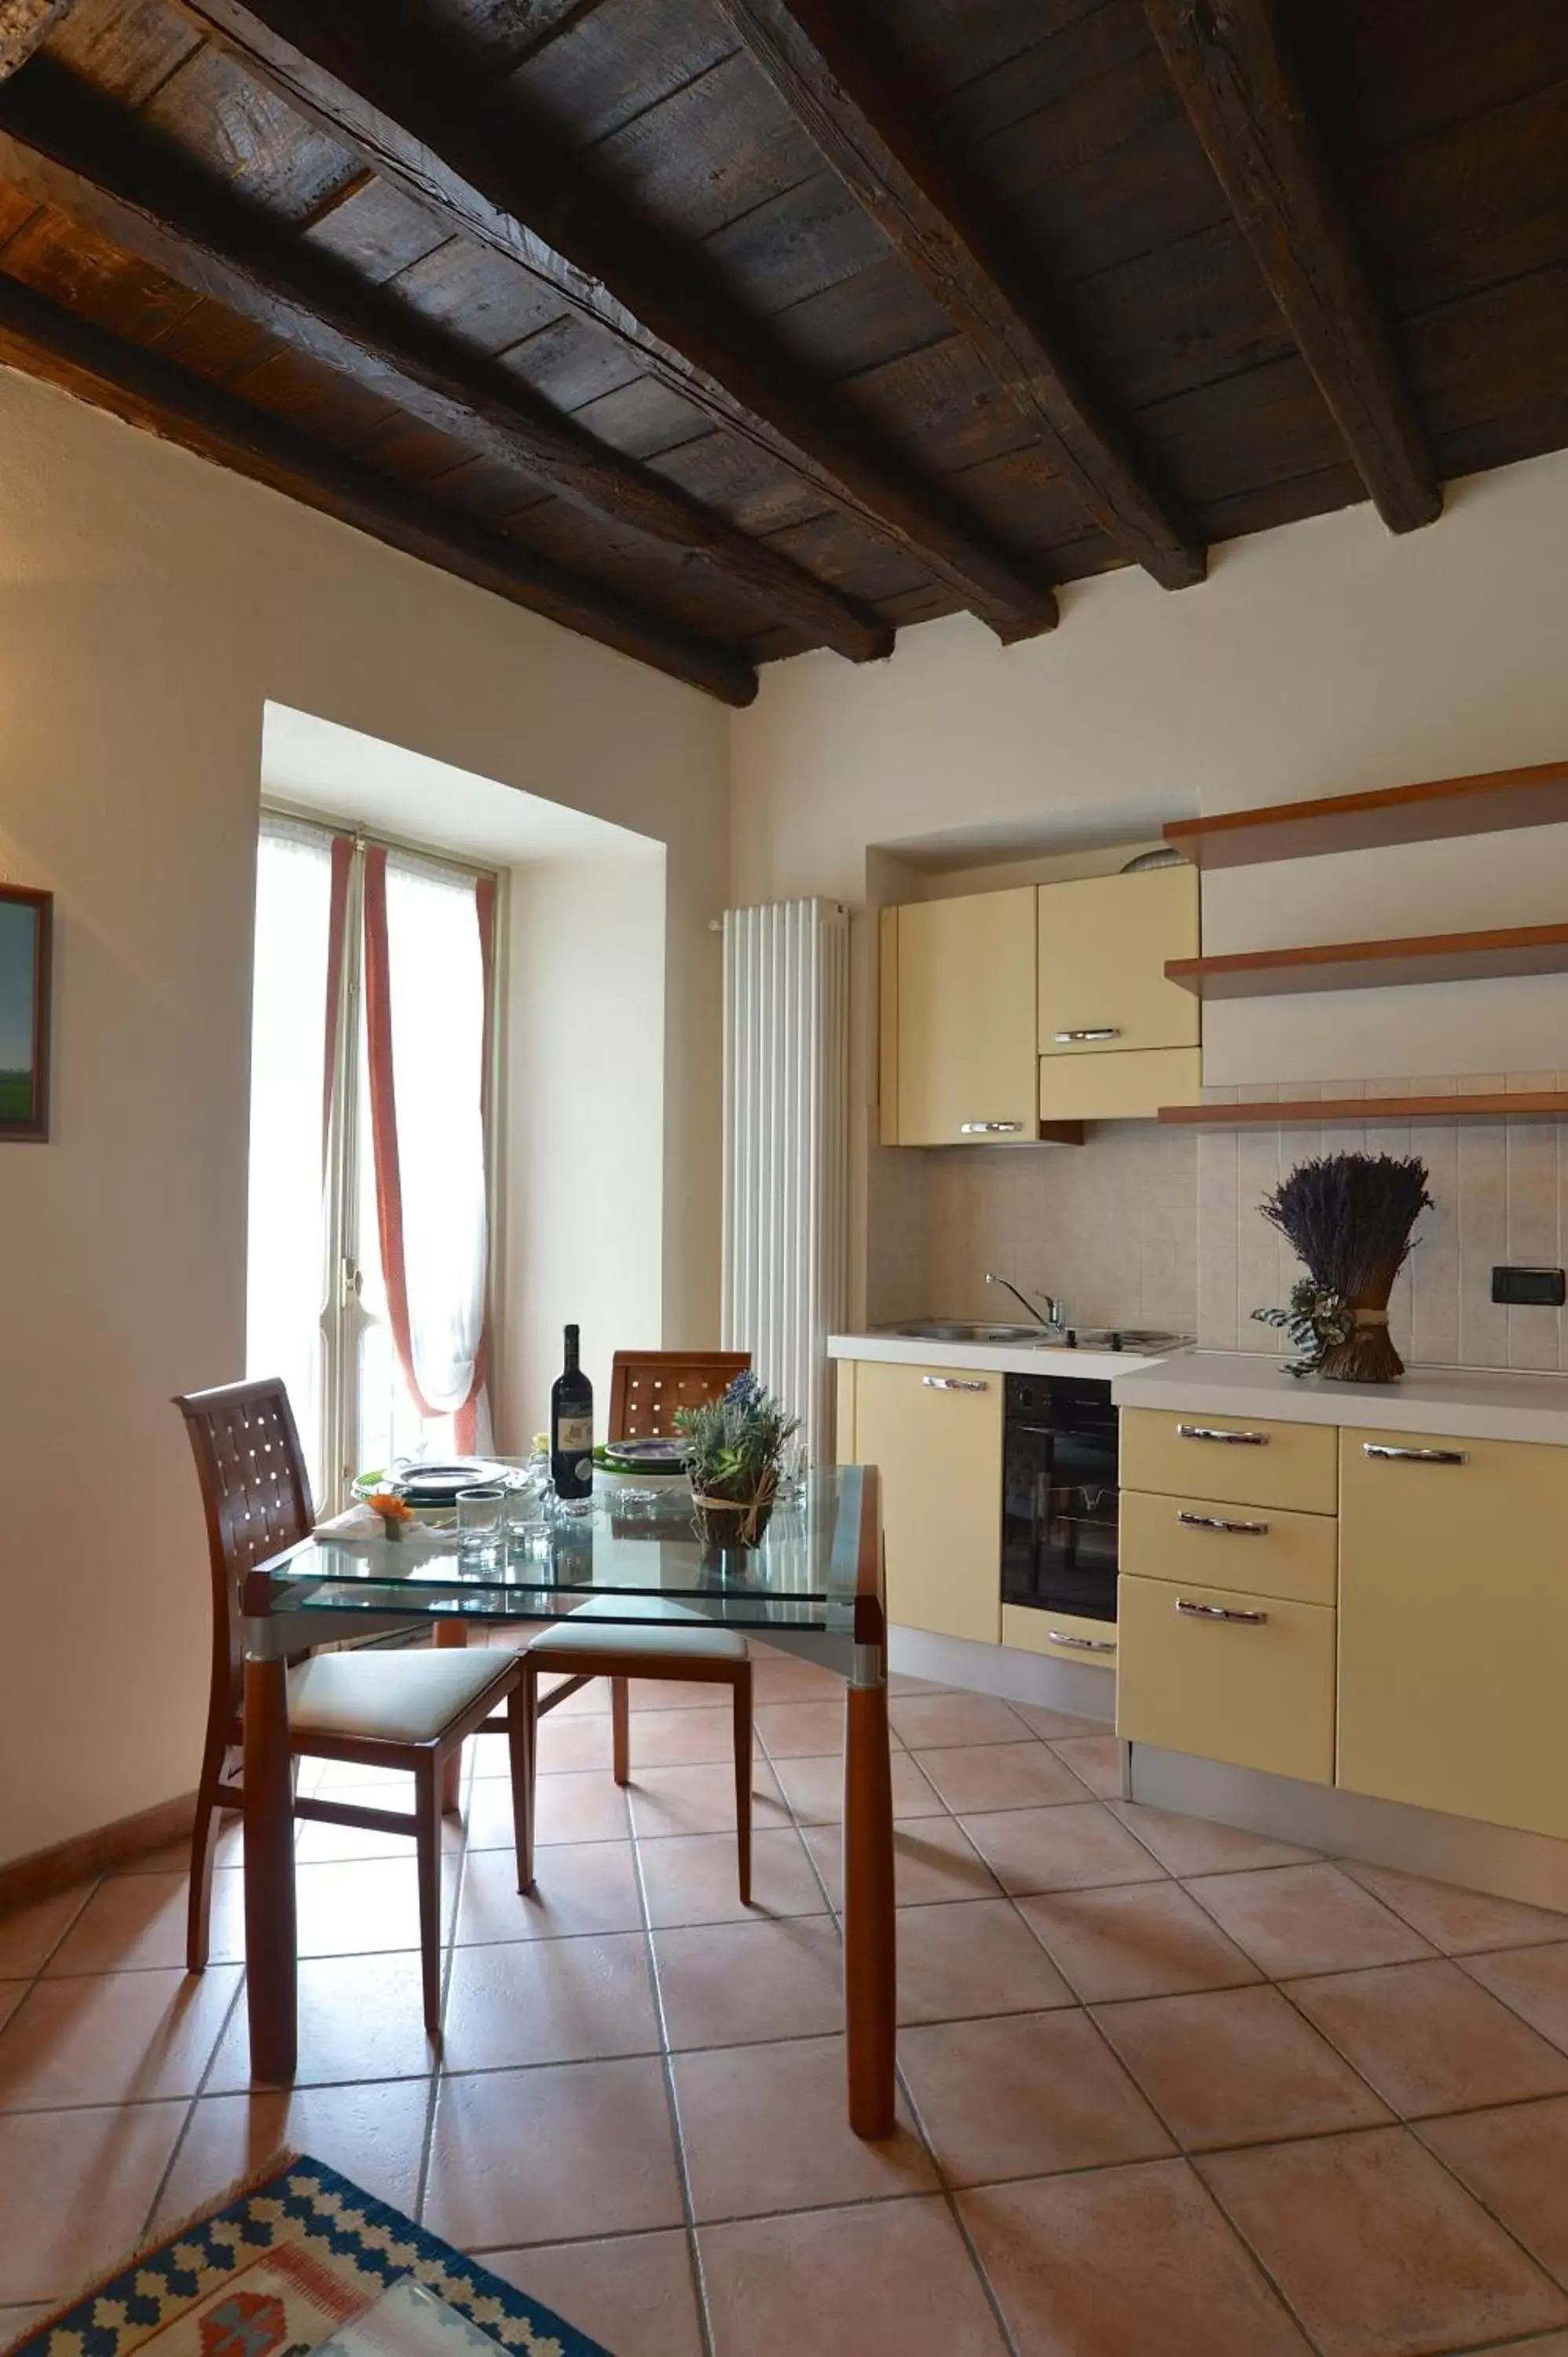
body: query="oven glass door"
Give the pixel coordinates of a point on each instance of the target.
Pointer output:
(1059, 1517)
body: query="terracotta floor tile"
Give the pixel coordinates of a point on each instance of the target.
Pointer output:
(701, 1800)
(683, 1738)
(1534, 1982)
(1041, 1720)
(364, 1905)
(1096, 1761)
(535, 2155)
(586, 1805)
(881, 2279)
(372, 2132)
(932, 1861)
(764, 2128)
(668, 1694)
(1062, 1848)
(798, 1731)
(959, 1961)
(814, 1787)
(11, 1996)
(318, 1844)
(1516, 2161)
(784, 1677)
(578, 1887)
(16, 2322)
(549, 2001)
(117, 2037)
(1430, 2040)
(999, 1776)
(1124, 2263)
(29, 1934)
(749, 1983)
(1025, 2095)
(1554, 2344)
(589, 1701)
(360, 2018)
(569, 1743)
(1141, 1939)
(635, 2295)
(1460, 1922)
(1295, 1919)
(1186, 1846)
(1377, 2249)
(1236, 2066)
(926, 1721)
(138, 1919)
(76, 2187)
(691, 1878)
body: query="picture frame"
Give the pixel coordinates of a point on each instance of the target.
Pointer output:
(26, 969)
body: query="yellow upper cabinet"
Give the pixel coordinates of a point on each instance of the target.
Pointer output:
(1104, 940)
(958, 1065)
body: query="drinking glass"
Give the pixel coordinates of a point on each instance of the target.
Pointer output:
(527, 1519)
(480, 1520)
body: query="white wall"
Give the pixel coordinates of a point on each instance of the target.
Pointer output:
(149, 606)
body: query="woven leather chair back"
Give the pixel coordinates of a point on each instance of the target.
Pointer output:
(255, 1493)
(648, 1386)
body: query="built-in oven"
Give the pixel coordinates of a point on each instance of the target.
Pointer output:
(1060, 1496)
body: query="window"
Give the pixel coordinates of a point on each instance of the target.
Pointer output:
(368, 1228)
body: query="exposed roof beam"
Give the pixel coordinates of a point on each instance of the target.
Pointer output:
(23, 25)
(846, 95)
(1226, 60)
(38, 335)
(467, 155)
(86, 162)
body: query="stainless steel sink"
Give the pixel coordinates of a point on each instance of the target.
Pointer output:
(954, 1329)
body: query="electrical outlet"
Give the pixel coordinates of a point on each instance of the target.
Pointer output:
(1545, 1288)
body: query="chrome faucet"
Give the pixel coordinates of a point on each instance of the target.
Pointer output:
(1056, 1311)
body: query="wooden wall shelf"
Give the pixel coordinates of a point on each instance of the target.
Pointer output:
(1370, 965)
(1495, 800)
(1547, 1105)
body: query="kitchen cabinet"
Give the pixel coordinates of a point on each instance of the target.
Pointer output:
(1063, 1636)
(936, 1434)
(1267, 1550)
(1244, 1459)
(1117, 1039)
(1453, 1626)
(961, 1063)
(1232, 1675)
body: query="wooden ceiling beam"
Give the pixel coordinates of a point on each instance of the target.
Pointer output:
(23, 25)
(847, 96)
(1226, 60)
(135, 384)
(465, 154)
(97, 169)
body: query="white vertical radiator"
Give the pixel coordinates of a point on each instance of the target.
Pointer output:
(786, 1144)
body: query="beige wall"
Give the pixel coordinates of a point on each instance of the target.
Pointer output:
(149, 605)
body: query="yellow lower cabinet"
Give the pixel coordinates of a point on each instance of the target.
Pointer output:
(1249, 1461)
(1453, 1626)
(1266, 1549)
(936, 1433)
(1228, 1675)
(1066, 1636)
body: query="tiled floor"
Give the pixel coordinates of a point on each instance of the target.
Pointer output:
(1167, 2090)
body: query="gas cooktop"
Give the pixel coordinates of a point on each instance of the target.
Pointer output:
(1150, 1341)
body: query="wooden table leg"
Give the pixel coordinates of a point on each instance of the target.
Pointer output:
(870, 1959)
(451, 1631)
(270, 1940)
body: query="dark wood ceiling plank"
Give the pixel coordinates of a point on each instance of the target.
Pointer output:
(1233, 78)
(223, 250)
(23, 25)
(126, 48)
(146, 391)
(847, 96)
(466, 158)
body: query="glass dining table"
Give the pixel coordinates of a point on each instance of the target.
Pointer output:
(813, 1587)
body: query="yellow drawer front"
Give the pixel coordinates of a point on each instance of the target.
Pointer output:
(1265, 1548)
(1065, 1635)
(1256, 1692)
(1128, 1085)
(1243, 1459)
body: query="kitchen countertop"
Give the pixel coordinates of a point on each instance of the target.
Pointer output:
(988, 1358)
(1463, 1403)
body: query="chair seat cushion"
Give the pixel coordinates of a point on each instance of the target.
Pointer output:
(674, 1632)
(392, 1698)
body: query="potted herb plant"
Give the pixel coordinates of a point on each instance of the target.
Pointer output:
(735, 1446)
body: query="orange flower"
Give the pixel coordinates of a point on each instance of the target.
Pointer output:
(389, 1506)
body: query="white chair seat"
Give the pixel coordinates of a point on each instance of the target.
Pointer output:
(391, 1697)
(677, 1633)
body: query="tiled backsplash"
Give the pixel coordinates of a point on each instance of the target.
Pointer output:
(1146, 1226)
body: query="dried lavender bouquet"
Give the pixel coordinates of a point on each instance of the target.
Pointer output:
(1349, 1217)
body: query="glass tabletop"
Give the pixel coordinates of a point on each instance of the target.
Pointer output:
(637, 1559)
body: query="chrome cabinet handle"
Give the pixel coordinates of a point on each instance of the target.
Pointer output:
(1212, 1432)
(989, 1128)
(951, 1383)
(1218, 1523)
(1415, 1456)
(1219, 1612)
(1082, 1645)
(1096, 1031)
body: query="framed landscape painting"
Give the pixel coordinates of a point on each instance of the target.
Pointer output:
(25, 964)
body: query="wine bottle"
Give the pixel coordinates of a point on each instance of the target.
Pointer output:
(572, 1429)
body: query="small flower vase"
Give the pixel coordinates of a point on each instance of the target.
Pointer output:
(391, 1528)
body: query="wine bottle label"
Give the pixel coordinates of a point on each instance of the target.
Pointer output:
(575, 1432)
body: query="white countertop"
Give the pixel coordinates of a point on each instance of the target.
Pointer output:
(987, 1358)
(1466, 1402)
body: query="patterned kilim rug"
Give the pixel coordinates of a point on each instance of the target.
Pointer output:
(299, 2259)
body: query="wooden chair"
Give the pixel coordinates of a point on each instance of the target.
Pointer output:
(405, 1710)
(648, 1386)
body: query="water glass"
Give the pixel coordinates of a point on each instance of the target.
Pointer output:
(481, 1512)
(527, 1520)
